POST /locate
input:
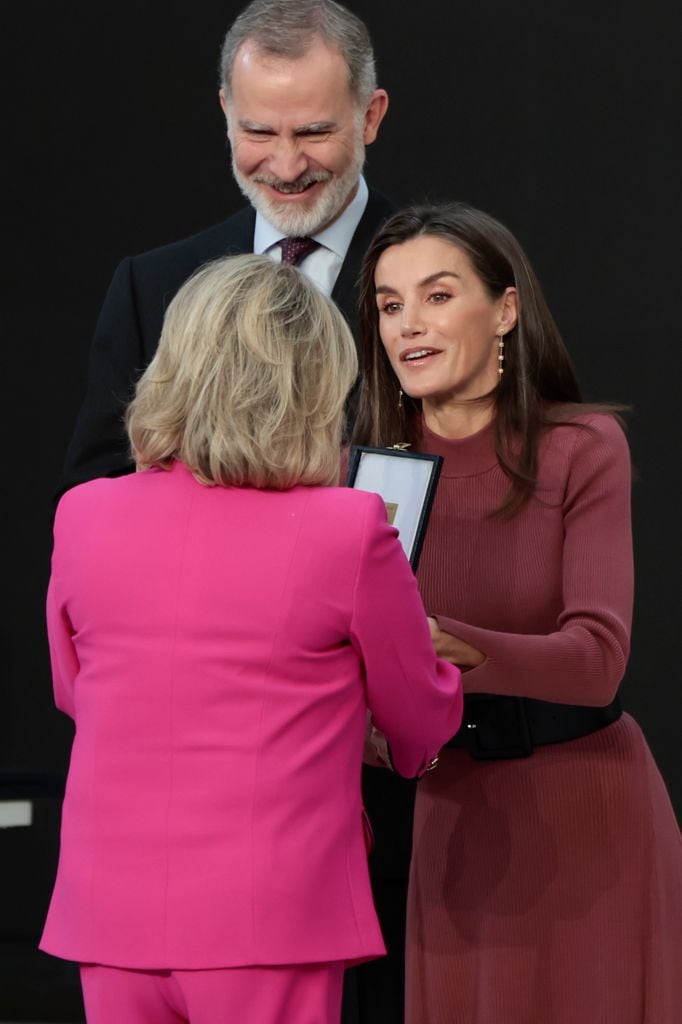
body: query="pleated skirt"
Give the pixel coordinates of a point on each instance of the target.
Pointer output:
(546, 890)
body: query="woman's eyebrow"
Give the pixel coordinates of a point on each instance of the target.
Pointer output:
(382, 289)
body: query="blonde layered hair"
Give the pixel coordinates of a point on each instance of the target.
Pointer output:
(249, 381)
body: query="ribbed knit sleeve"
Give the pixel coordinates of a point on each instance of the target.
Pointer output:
(583, 659)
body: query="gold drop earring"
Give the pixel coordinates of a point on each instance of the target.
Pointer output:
(500, 355)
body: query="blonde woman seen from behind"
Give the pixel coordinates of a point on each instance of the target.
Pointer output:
(220, 622)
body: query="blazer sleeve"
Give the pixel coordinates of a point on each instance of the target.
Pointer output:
(98, 445)
(63, 657)
(415, 698)
(583, 660)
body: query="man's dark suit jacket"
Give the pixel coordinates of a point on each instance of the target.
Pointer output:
(129, 327)
(125, 341)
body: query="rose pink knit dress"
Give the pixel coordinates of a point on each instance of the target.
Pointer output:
(547, 889)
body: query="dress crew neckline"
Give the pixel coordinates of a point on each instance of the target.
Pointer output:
(463, 456)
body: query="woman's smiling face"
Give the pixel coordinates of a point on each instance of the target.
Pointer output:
(438, 323)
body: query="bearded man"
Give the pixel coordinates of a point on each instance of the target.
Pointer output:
(301, 103)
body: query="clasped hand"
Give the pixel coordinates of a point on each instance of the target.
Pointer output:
(451, 648)
(446, 646)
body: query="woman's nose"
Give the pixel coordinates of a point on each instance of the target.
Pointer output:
(411, 323)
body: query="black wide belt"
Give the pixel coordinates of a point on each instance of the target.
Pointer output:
(494, 726)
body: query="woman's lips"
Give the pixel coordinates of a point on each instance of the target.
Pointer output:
(418, 356)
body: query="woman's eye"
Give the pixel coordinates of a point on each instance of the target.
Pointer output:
(439, 297)
(390, 307)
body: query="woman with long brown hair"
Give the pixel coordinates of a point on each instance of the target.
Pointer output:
(546, 879)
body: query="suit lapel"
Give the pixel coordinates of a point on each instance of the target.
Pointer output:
(231, 238)
(346, 289)
(240, 230)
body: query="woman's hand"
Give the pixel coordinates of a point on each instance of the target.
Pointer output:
(376, 747)
(451, 648)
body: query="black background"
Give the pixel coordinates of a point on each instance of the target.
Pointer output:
(559, 118)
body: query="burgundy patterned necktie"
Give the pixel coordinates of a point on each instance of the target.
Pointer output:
(296, 249)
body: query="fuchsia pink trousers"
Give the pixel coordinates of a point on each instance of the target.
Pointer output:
(302, 994)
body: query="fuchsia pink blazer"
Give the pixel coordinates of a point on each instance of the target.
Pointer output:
(217, 649)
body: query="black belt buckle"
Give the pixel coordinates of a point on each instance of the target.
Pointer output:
(496, 727)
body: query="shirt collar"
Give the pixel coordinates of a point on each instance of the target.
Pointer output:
(336, 236)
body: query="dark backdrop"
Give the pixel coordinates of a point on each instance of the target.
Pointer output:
(559, 118)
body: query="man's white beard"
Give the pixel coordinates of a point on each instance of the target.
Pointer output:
(294, 221)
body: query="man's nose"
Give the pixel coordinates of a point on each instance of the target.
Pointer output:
(288, 160)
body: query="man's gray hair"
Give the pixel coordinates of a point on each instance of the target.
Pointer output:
(287, 28)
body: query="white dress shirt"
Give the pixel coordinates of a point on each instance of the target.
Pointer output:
(323, 265)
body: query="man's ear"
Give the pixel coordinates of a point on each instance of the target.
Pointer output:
(224, 103)
(374, 115)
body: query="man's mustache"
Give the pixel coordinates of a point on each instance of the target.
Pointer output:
(298, 185)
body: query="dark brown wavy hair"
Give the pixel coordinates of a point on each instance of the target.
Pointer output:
(539, 387)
